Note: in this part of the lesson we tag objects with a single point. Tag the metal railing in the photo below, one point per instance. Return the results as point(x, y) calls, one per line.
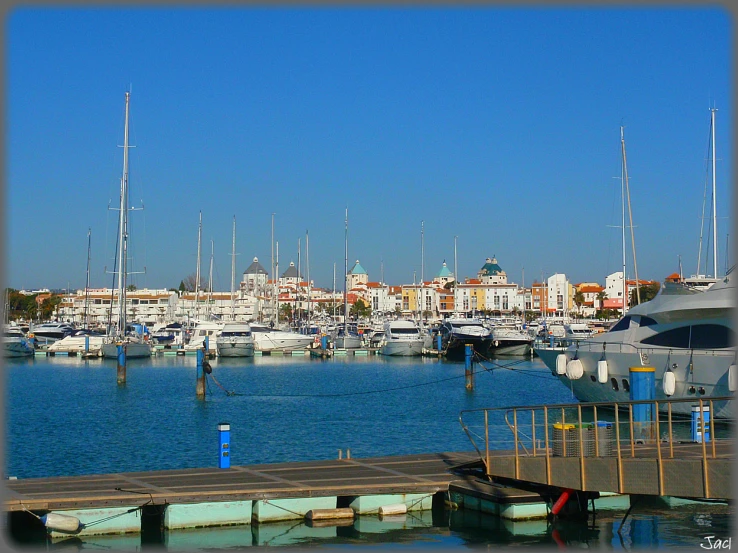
point(600, 429)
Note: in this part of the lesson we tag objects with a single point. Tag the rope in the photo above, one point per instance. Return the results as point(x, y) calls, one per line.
point(348, 394)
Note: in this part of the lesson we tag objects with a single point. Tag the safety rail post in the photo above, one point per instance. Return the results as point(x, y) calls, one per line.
point(533, 425)
point(548, 458)
point(705, 473)
point(486, 441)
point(581, 448)
point(658, 452)
point(671, 434)
point(515, 433)
point(563, 433)
point(713, 433)
point(617, 443)
point(597, 440)
point(631, 429)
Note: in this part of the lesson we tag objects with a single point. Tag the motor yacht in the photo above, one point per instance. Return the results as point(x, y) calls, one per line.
point(402, 338)
point(15, 343)
point(457, 332)
point(235, 340)
point(682, 331)
point(275, 339)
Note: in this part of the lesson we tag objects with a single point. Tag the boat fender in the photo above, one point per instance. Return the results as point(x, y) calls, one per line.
point(668, 382)
point(60, 523)
point(561, 364)
point(574, 369)
point(206, 367)
point(497, 343)
point(602, 371)
point(733, 377)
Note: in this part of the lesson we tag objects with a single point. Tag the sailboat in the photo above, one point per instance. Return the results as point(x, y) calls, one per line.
point(133, 344)
point(347, 336)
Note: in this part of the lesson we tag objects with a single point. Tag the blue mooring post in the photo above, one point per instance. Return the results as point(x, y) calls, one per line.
point(469, 366)
point(438, 343)
point(697, 423)
point(643, 387)
point(207, 346)
point(224, 448)
point(200, 384)
point(87, 344)
point(121, 364)
point(323, 342)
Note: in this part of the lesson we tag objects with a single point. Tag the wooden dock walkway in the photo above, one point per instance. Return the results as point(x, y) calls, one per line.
point(421, 473)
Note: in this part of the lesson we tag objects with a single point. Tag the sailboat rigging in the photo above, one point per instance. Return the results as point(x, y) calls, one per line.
point(134, 346)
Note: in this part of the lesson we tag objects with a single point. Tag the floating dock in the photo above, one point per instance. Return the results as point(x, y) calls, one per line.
point(188, 498)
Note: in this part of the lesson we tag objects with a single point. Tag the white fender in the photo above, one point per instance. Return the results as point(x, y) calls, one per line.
point(561, 363)
point(668, 382)
point(60, 523)
point(602, 371)
point(733, 377)
point(574, 369)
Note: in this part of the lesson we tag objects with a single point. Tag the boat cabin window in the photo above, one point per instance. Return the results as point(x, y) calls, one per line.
point(706, 336)
point(235, 333)
point(626, 385)
point(647, 321)
point(614, 382)
point(404, 331)
point(622, 324)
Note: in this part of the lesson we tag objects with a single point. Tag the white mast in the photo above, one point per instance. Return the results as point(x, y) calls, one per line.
point(622, 202)
point(456, 276)
point(210, 281)
point(123, 231)
point(276, 289)
point(422, 269)
point(274, 280)
point(87, 283)
point(714, 204)
point(233, 272)
point(345, 281)
point(197, 272)
point(632, 230)
point(307, 262)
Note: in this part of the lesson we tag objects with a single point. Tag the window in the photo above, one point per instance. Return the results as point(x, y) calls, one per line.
point(647, 321)
point(711, 336)
point(614, 382)
point(707, 336)
point(622, 324)
point(626, 386)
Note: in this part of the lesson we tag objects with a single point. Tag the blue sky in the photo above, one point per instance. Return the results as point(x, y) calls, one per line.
point(496, 125)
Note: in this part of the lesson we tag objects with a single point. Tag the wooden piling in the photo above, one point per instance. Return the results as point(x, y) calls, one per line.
point(121, 375)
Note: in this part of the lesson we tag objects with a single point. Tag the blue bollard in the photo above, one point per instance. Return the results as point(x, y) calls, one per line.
point(643, 387)
point(697, 423)
point(438, 342)
point(224, 447)
point(207, 344)
point(551, 340)
point(469, 366)
point(324, 342)
point(200, 375)
point(87, 344)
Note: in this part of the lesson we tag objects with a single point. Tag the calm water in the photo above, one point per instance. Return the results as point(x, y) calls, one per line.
point(67, 416)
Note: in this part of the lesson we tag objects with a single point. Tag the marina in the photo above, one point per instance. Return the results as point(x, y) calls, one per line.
point(132, 485)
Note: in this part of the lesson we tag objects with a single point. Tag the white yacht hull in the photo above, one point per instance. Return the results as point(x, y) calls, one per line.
point(76, 344)
point(17, 349)
point(405, 348)
point(235, 346)
point(133, 350)
point(706, 377)
point(281, 341)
